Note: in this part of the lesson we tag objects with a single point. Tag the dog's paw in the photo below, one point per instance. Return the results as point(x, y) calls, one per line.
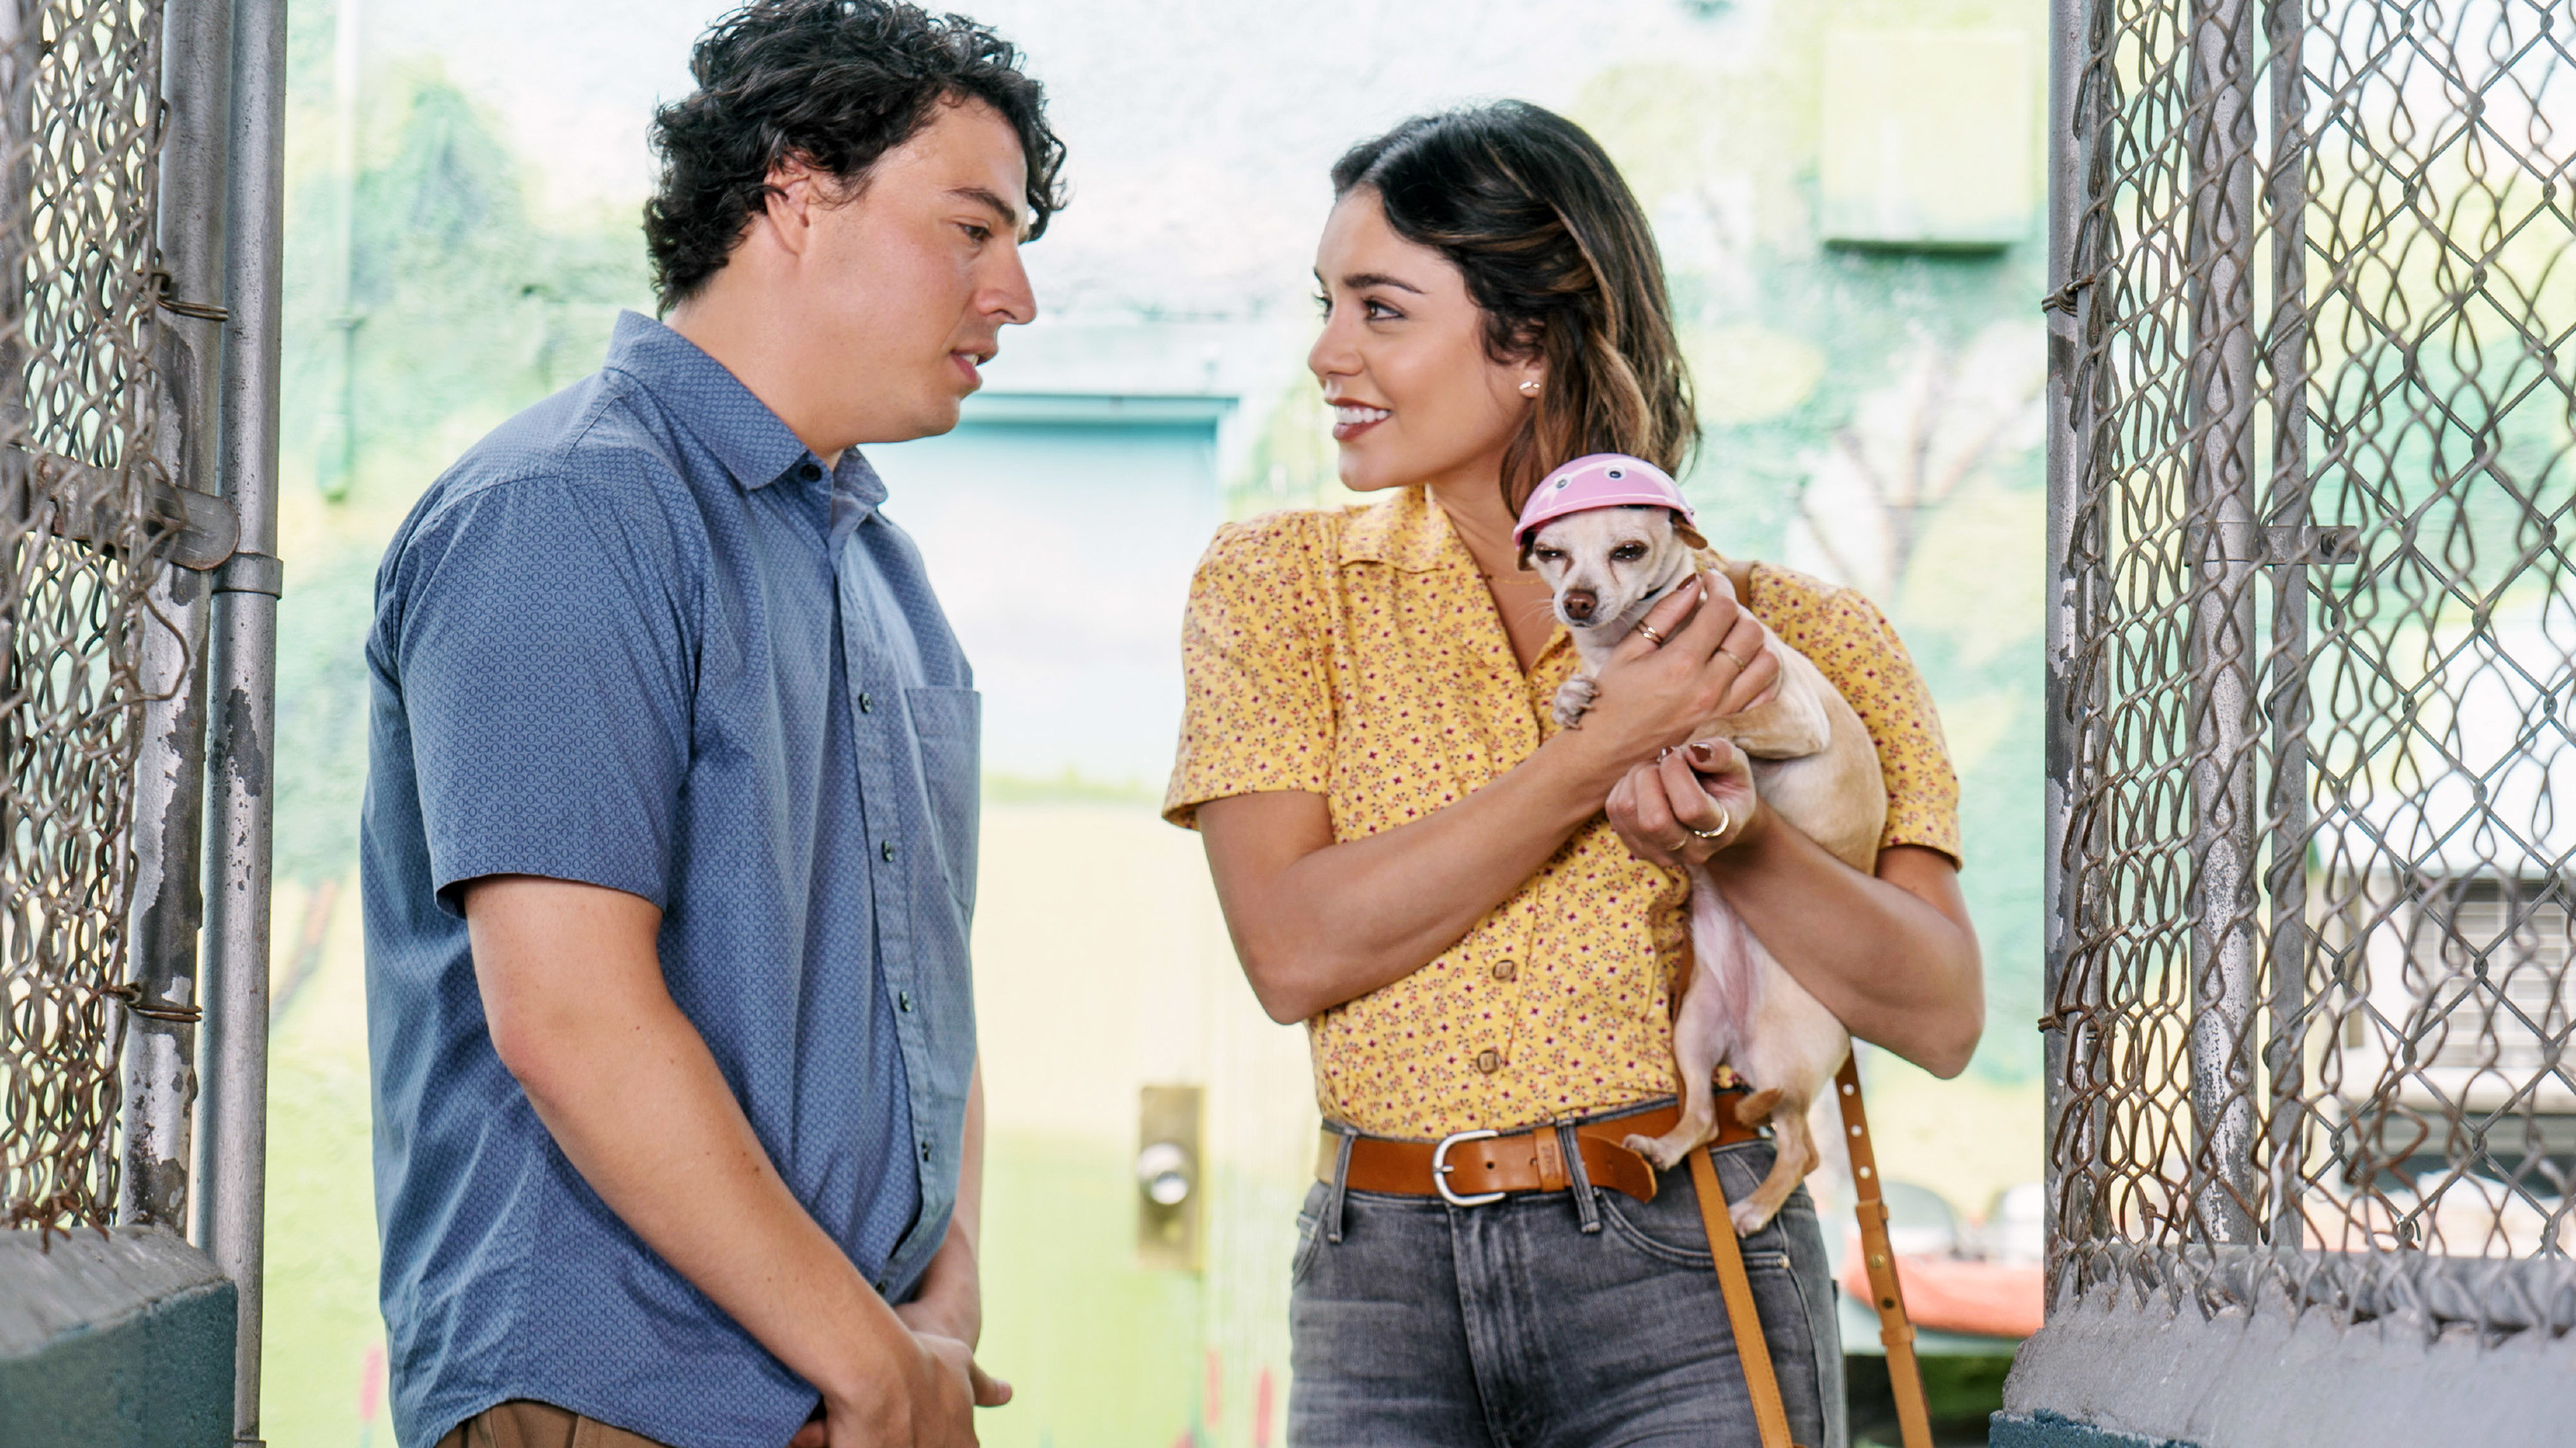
point(1573, 700)
point(1749, 1216)
point(1655, 1149)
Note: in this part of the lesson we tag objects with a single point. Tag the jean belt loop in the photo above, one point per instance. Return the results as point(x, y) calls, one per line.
point(1587, 1201)
point(1341, 1186)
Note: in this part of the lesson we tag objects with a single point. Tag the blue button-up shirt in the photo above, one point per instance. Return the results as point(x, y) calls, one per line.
point(640, 637)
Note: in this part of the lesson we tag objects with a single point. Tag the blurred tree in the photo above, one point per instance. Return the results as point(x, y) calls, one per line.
point(474, 306)
point(1868, 414)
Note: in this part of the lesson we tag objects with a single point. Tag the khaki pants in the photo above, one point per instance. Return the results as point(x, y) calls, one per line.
point(522, 1423)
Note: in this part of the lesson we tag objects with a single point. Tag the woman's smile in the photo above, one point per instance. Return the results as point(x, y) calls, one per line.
point(1402, 334)
point(1350, 419)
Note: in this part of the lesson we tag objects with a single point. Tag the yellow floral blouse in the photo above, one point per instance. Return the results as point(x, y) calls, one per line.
point(1354, 653)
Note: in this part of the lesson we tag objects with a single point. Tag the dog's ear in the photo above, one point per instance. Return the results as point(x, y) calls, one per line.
point(1689, 535)
point(1526, 545)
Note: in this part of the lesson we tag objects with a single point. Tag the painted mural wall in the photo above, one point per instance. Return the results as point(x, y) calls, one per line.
point(1846, 193)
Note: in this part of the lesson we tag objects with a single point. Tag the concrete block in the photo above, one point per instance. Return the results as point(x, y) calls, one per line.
point(2049, 1430)
point(2162, 1372)
point(122, 1341)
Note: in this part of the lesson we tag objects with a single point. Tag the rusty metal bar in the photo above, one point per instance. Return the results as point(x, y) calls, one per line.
point(2066, 48)
point(170, 777)
point(242, 672)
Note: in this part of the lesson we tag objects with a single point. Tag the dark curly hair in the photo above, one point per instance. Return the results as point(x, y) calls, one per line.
point(1557, 253)
point(836, 84)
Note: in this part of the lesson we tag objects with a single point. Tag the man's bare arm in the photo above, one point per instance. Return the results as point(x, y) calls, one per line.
point(573, 995)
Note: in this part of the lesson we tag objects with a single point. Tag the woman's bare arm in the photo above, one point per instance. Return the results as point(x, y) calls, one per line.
point(1894, 955)
point(1318, 923)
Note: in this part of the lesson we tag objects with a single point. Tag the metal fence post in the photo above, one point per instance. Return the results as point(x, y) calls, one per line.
point(241, 669)
point(2286, 698)
point(160, 1051)
point(2313, 850)
point(2065, 213)
point(2221, 548)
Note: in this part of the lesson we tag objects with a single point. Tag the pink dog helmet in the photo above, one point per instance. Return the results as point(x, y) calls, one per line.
point(1602, 480)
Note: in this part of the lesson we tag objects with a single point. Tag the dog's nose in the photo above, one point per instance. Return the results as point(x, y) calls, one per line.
point(1579, 603)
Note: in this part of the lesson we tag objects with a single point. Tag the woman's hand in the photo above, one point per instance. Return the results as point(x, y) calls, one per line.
point(1696, 656)
point(1835, 929)
point(1681, 810)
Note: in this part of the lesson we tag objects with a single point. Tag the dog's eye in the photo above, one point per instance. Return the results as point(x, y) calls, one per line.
point(1547, 555)
point(1627, 552)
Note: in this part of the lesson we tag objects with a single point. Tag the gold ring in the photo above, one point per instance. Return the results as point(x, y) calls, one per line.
point(1649, 631)
point(1725, 820)
point(1740, 664)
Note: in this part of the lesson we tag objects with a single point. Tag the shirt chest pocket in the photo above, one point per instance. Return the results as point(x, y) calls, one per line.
point(948, 729)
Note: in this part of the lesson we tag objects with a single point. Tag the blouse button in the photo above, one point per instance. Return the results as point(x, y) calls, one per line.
point(1489, 1062)
point(1505, 969)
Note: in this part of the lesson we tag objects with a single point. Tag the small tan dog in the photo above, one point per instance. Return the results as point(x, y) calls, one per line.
point(1812, 762)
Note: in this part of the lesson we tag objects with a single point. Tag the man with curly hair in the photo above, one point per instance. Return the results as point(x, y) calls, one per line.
point(670, 825)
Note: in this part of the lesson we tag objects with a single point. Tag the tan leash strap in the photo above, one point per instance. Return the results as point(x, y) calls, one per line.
point(1750, 1348)
point(1886, 1294)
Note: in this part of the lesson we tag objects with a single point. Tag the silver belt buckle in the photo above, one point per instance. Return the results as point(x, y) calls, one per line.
point(1440, 1169)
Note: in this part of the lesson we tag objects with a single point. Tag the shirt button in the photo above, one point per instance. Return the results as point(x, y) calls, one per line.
point(1489, 1062)
point(867, 702)
point(886, 852)
point(925, 1151)
point(811, 472)
point(1506, 969)
point(903, 1000)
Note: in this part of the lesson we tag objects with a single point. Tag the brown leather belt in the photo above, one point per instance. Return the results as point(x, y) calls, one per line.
point(1474, 1167)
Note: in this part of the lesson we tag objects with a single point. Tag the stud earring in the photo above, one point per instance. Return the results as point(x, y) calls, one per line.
point(1529, 387)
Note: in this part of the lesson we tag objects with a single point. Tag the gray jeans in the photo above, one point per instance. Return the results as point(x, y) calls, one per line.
point(1574, 1319)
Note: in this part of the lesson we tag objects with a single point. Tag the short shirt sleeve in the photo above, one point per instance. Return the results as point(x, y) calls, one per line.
point(537, 634)
point(1257, 710)
point(1855, 647)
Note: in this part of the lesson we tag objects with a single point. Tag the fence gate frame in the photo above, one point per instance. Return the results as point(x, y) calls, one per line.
point(187, 517)
point(2231, 1317)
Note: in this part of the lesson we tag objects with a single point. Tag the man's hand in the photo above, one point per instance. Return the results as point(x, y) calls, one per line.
point(932, 1408)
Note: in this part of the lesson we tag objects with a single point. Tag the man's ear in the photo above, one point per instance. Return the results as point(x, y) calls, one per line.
point(1689, 535)
point(796, 188)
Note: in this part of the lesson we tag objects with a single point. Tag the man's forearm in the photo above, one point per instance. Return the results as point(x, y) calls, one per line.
point(645, 1117)
point(574, 999)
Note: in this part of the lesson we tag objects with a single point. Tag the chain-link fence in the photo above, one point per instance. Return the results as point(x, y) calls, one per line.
point(80, 492)
point(2313, 769)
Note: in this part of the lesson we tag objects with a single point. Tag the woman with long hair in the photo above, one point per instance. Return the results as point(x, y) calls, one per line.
point(1482, 918)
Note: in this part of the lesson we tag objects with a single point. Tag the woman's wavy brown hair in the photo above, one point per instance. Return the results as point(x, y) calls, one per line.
point(1555, 250)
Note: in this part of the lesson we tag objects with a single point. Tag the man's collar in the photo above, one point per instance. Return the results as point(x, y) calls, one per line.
point(857, 491)
point(1406, 531)
point(707, 399)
